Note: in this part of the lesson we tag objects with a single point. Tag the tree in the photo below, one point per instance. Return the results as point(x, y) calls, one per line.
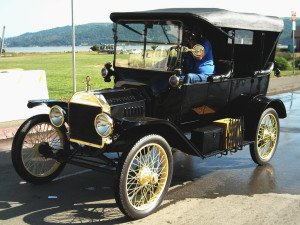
point(154, 47)
point(95, 48)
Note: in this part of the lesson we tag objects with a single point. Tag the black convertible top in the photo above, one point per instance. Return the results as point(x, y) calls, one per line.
point(216, 17)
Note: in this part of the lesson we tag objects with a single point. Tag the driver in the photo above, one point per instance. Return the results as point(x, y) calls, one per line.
point(198, 61)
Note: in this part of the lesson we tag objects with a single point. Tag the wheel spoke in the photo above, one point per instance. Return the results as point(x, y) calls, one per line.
point(35, 163)
point(147, 176)
point(267, 136)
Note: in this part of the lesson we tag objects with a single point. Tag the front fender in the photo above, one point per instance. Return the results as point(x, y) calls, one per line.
point(255, 108)
point(49, 103)
point(133, 128)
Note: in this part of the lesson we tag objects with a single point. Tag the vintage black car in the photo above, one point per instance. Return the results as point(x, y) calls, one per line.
point(131, 129)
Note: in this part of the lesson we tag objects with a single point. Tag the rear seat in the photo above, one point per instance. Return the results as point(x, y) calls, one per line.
point(222, 71)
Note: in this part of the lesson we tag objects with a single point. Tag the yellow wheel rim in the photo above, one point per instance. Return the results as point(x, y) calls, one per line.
point(36, 164)
point(267, 136)
point(147, 176)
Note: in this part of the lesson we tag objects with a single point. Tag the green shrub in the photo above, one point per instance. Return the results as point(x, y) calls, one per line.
point(287, 55)
point(95, 48)
point(283, 63)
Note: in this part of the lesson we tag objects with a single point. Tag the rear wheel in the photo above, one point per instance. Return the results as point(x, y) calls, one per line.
point(266, 140)
point(36, 141)
point(144, 176)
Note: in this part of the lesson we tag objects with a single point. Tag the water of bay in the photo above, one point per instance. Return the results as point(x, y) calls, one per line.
point(46, 49)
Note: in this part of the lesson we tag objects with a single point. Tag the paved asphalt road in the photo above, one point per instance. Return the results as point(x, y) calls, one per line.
point(227, 190)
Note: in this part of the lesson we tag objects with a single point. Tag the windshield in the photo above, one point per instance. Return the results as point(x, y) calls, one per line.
point(148, 45)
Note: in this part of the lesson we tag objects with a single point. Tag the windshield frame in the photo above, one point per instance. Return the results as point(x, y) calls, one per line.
point(147, 24)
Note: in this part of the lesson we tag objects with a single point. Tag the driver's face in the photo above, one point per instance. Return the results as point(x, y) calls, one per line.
point(199, 57)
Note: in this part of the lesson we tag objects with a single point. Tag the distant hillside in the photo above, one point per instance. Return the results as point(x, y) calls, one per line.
point(95, 33)
point(87, 34)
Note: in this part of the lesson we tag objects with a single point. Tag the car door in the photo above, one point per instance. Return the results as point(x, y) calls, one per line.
point(202, 99)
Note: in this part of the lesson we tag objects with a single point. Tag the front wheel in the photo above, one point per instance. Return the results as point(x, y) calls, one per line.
point(266, 140)
point(144, 176)
point(30, 161)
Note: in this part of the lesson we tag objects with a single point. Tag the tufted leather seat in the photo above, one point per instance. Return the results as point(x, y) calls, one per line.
point(222, 71)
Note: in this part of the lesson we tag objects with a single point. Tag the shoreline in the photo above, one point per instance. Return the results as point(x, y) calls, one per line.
point(45, 49)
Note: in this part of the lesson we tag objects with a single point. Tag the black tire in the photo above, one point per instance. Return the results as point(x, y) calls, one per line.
point(26, 140)
point(157, 183)
point(270, 134)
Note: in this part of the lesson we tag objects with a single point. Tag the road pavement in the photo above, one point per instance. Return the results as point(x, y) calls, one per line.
point(226, 190)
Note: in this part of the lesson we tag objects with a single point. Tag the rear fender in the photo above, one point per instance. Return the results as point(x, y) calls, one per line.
point(254, 110)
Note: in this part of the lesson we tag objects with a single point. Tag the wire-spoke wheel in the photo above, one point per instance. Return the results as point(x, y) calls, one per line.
point(144, 176)
point(31, 162)
point(266, 140)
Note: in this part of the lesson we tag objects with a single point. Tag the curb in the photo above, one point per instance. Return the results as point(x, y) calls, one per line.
point(283, 90)
point(9, 129)
point(6, 133)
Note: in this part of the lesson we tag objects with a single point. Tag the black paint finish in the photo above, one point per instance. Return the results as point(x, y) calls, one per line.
point(143, 102)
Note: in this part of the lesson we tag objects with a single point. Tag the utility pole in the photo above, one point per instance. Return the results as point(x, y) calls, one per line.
point(73, 48)
point(2, 42)
point(293, 17)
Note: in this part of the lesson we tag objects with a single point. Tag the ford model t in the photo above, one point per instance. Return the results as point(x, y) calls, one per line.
point(131, 129)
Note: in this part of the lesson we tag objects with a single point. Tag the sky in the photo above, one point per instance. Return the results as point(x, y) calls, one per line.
point(21, 16)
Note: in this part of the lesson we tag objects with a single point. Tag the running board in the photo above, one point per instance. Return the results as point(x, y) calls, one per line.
point(90, 164)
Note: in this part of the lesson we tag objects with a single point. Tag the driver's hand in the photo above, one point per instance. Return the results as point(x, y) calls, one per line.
point(185, 49)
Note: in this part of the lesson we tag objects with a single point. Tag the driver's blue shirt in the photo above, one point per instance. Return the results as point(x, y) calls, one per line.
point(199, 70)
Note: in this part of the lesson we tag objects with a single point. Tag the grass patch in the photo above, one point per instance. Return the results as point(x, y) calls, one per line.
point(290, 72)
point(58, 67)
